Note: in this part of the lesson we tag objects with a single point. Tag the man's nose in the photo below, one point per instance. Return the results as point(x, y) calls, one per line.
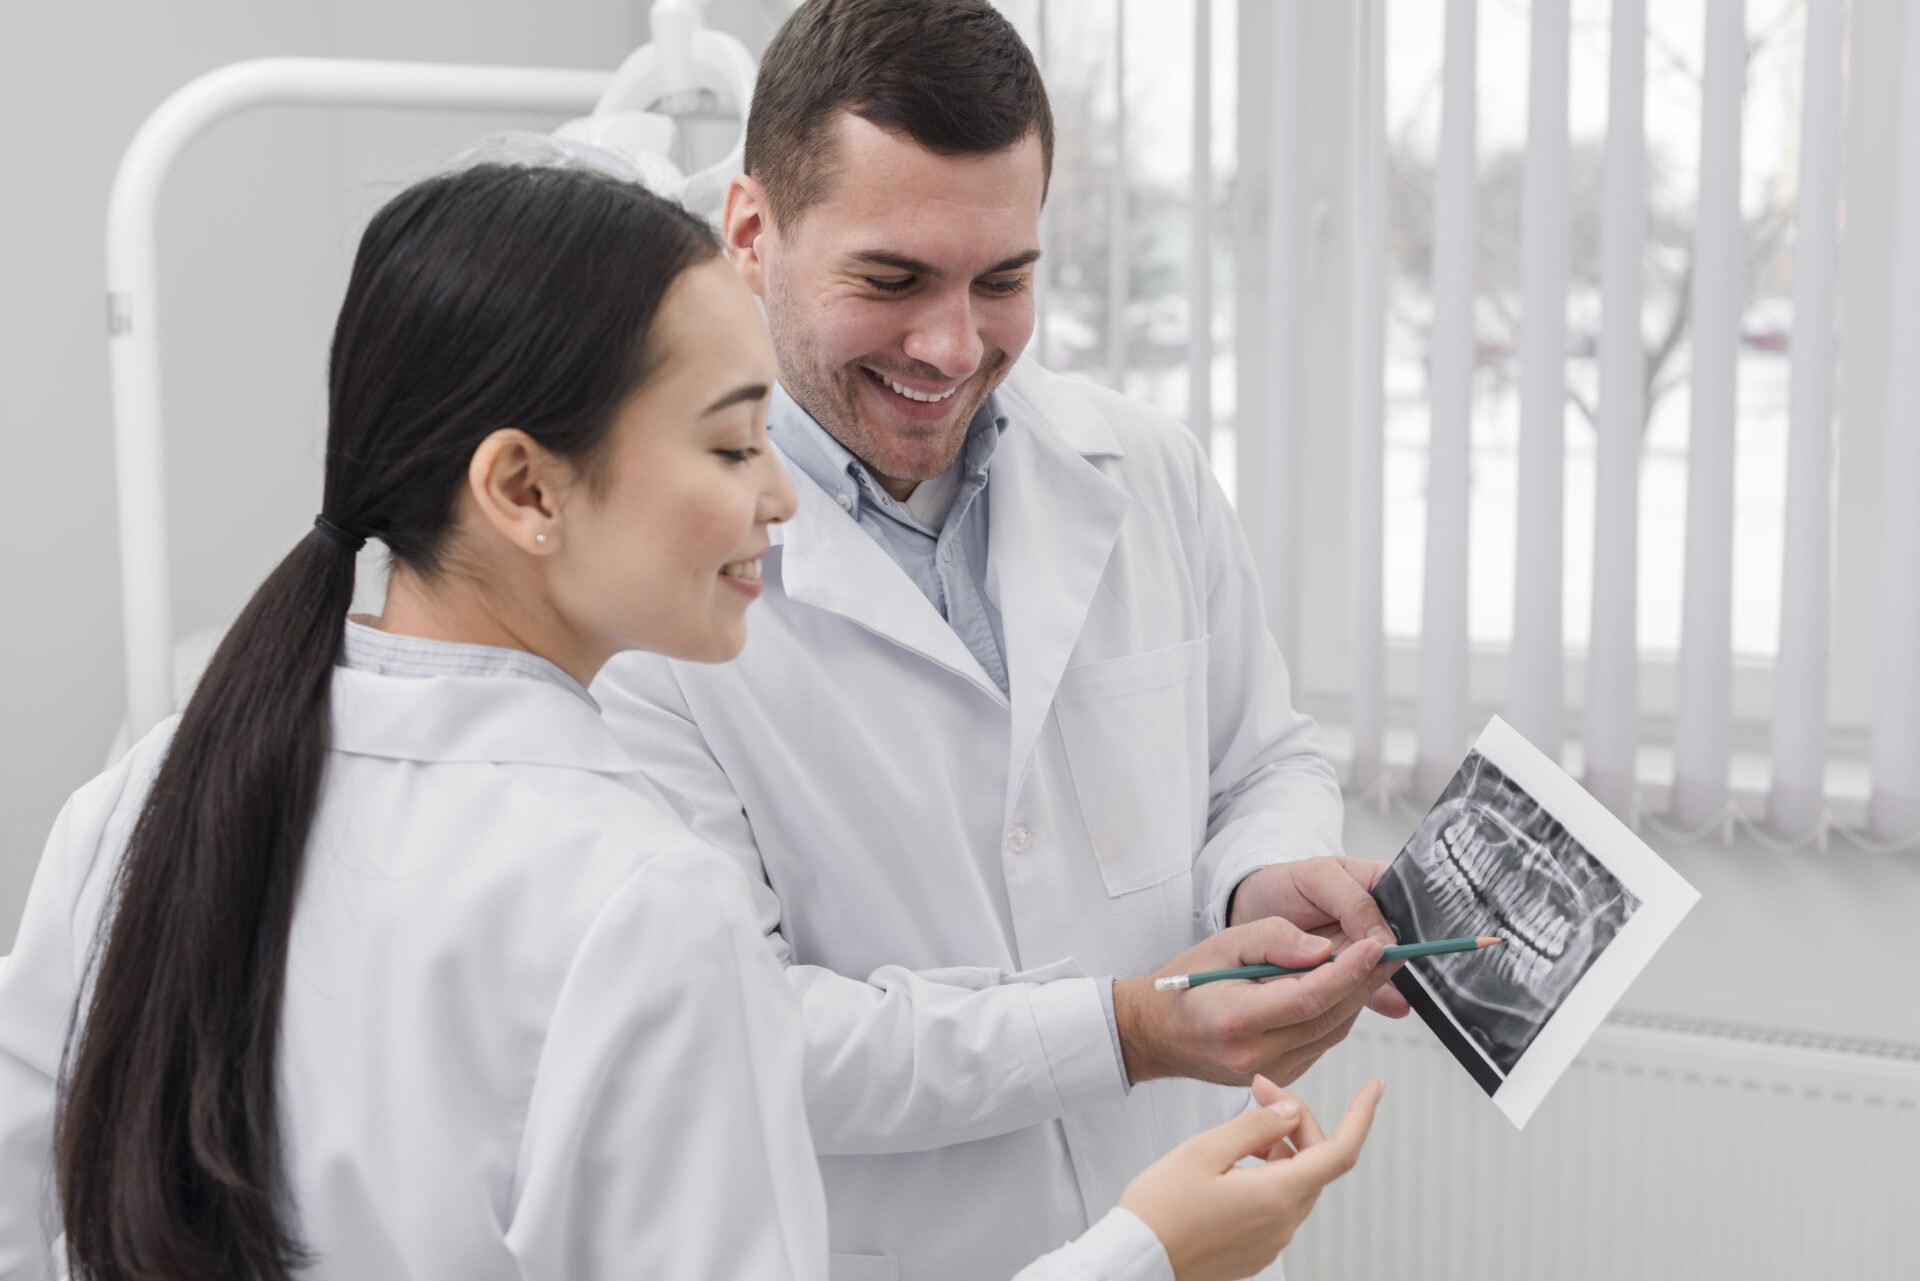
point(945, 335)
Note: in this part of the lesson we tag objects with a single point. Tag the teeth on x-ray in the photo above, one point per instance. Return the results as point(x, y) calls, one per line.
point(1489, 860)
point(1491, 896)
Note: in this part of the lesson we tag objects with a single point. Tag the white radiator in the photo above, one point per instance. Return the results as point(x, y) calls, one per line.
point(1672, 1148)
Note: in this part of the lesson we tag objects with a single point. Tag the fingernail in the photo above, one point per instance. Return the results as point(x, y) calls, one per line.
point(1285, 1108)
point(1373, 951)
point(1314, 943)
point(1381, 933)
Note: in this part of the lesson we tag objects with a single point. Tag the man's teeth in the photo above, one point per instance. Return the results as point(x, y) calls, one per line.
point(921, 396)
point(743, 569)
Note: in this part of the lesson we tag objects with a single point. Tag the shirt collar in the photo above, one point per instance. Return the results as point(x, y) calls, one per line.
point(833, 467)
point(368, 649)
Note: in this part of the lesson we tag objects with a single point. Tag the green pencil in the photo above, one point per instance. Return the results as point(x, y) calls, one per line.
point(1399, 952)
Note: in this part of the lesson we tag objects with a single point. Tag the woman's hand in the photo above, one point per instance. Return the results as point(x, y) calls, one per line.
point(1220, 1221)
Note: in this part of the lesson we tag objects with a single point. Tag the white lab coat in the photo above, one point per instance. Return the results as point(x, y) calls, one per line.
point(949, 870)
point(531, 1029)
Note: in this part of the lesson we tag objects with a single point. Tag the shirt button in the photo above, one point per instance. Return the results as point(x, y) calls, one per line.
point(846, 502)
point(1019, 838)
point(946, 553)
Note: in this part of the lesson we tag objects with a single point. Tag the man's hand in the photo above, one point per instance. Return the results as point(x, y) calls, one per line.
point(1330, 897)
point(1227, 1032)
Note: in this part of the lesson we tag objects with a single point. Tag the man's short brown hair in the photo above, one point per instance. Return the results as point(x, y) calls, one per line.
point(953, 75)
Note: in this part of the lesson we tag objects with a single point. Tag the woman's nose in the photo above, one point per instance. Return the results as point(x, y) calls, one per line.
point(777, 499)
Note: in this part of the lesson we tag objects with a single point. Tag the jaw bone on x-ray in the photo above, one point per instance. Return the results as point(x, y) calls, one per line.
point(1490, 859)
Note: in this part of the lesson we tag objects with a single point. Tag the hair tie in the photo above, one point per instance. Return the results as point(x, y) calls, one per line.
point(352, 542)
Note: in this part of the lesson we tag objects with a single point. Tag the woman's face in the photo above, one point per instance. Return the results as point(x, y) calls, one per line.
point(664, 552)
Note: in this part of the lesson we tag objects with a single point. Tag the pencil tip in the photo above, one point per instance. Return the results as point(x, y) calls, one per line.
point(1484, 941)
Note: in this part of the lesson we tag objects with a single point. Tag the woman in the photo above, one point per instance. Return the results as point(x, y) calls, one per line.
point(381, 961)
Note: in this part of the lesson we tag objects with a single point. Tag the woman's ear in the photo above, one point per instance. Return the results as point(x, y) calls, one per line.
point(520, 487)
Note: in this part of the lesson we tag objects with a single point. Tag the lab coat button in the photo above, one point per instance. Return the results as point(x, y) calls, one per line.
point(1019, 838)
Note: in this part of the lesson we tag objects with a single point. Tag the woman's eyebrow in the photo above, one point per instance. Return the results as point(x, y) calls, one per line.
point(744, 392)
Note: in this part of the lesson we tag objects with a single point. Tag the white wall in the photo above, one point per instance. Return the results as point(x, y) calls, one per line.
point(257, 228)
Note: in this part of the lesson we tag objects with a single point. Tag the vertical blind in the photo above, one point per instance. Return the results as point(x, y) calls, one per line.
point(1703, 712)
point(1117, 228)
point(1280, 360)
point(1200, 248)
point(1800, 684)
point(1613, 661)
point(1534, 698)
point(1894, 812)
point(1612, 729)
point(1443, 714)
point(1366, 528)
point(1043, 277)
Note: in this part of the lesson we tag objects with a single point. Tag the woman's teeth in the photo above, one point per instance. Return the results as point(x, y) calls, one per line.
point(924, 397)
point(743, 569)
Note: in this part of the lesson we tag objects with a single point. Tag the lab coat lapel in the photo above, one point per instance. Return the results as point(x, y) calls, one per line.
point(827, 561)
point(1054, 520)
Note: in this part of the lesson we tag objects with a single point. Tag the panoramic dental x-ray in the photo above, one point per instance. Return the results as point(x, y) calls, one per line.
point(1490, 859)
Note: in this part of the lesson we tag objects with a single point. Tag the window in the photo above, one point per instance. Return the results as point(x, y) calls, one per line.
point(1295, 494)
point(1149, 47)
point(1770, 170)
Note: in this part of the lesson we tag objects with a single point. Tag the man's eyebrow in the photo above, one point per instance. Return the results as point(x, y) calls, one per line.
point(745, 392)
point(901, 262)
point(1016, 262)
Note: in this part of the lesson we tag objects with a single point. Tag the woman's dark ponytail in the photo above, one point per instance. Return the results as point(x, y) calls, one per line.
point(489, 298)
point(169, 1141)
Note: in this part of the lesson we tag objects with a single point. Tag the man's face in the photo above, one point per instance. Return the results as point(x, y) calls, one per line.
point(899, 301)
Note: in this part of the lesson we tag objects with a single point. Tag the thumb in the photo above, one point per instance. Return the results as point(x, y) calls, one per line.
point(1253, 1133)
point(1265, 1092)
point(1281, 942)
point(1269, 1095)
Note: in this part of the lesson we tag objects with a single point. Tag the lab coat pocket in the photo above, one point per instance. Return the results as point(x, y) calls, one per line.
point(862, 1267)
point(1135, 730)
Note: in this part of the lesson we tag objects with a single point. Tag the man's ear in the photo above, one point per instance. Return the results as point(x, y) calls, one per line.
point(746, 219)
point(518, 487)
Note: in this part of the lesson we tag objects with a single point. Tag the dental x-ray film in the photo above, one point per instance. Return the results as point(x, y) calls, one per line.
point(1516, 848)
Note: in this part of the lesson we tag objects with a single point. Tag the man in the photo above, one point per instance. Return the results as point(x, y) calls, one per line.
point(1009, 731)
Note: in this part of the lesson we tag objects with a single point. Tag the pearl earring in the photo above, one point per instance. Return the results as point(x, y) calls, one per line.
point(540, 538)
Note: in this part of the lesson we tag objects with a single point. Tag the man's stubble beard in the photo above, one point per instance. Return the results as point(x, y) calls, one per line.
point(798, 376)
point(831, 398)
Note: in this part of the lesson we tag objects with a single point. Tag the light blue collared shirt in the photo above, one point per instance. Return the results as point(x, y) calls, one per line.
point(948, 566)
point(368, 649)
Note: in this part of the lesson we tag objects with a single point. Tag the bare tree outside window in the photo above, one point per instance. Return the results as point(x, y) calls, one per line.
point(1770, 165)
